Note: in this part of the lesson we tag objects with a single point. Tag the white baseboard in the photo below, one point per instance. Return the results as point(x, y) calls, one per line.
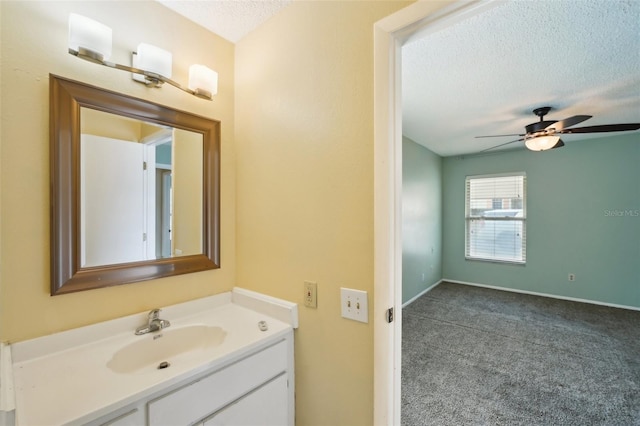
point(535, 293)
point(422, 293)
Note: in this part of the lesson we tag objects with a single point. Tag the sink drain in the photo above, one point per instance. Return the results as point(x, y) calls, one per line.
point(163, 365)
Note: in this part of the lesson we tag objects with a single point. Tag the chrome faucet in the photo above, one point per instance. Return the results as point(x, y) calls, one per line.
point(155, 323)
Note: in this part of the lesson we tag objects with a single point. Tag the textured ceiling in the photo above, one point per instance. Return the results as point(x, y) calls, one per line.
point(230, 19)
point(484, 75)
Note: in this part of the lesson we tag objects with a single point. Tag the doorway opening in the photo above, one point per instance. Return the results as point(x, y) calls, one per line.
point(390, 34)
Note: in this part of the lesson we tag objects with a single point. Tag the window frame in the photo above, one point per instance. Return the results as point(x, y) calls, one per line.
point(469, 219)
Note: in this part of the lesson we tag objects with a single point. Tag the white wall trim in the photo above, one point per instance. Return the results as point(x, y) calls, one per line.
point(549, 295)
point(422, 293)
point(7, 395)
point(385, 360)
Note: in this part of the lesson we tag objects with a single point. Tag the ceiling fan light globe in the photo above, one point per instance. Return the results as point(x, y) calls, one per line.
point(541, 143)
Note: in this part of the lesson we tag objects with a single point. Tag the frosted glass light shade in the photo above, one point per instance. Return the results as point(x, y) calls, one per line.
point(203, 80)
point(154, 59)
point(90, 35)
point(541, 143)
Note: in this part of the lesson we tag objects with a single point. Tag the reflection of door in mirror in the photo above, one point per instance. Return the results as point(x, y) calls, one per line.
point(113, 201)
point(140, 183)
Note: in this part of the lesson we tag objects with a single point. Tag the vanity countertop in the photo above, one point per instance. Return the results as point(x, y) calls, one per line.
point(64, 379)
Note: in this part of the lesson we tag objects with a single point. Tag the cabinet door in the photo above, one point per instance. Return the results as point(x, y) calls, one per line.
point(265, 406)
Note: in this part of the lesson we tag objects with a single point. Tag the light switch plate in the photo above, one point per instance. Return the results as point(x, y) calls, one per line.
point(354, 304)
point(310, 294)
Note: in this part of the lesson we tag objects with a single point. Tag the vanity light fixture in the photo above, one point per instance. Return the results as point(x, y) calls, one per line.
point(91, 40)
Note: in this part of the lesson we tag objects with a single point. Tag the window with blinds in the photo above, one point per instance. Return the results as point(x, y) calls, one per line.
point(496, 218)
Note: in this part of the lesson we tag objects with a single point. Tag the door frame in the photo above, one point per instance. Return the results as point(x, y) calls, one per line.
point(390, 34)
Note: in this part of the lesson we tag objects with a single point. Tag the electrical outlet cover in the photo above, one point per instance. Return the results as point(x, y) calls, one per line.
point(354, 304)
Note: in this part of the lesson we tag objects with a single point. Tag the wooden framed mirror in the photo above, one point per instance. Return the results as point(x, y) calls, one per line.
point(109, 230)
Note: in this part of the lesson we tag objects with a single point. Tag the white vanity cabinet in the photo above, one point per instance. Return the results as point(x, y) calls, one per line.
point(106, 375)
point(265, 406)
point(254, 390)
point(204, 397)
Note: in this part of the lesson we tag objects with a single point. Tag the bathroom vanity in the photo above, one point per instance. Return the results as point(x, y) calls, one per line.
point(224, 360)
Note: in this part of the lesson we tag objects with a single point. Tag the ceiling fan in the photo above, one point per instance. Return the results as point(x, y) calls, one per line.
point(544, 134)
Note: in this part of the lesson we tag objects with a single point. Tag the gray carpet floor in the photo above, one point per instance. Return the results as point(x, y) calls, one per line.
point(476, 356)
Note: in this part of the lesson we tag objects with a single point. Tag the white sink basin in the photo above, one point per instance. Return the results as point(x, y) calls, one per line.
point(162, 347)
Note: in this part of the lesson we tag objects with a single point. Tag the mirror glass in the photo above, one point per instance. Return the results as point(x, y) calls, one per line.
point(135, 189)
point(140, 190)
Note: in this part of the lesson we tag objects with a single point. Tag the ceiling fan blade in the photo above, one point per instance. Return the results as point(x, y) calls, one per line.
point(498, 136)
point(603, 128)
point(558, 145)
point(568, 122)
point(502, 144)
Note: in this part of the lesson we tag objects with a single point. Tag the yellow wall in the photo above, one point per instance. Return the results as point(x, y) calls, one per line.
point(187, 195)
point(34, 44)
point(304, 133)
point(100, 123)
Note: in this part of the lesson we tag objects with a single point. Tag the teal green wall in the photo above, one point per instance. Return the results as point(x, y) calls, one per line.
point(583, 217)
point(421, 219)
point(163, 153)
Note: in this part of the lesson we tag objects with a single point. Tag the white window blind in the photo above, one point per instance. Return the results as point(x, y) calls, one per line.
point(496, 218)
